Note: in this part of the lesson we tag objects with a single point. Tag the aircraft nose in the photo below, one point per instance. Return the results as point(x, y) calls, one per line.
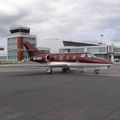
point(109, 62)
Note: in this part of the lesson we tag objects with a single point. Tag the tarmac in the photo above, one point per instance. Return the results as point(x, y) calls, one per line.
point(28, 93)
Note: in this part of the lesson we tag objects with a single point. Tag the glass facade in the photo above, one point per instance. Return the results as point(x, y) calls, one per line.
point(95, 50)
point(71, 50)
point(116, 50)
point(77, 50)
point(12, 48)
point(91, 49)
point(25, 54)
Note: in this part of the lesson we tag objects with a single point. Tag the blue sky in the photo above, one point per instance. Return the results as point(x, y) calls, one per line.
point(76, 20)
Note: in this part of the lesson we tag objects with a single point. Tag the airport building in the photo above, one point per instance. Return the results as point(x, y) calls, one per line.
point(44, 49)
point(2, 54)
point(108, 52)
point(15, 49)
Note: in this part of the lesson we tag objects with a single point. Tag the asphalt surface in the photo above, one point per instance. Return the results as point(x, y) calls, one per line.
point(27, 93)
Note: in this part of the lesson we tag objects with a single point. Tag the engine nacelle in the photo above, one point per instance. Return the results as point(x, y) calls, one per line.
point(47, 58)
point(41, 58)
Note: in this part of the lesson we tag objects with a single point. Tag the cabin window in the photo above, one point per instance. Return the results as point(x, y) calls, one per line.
point(60, 57)
point(83, 55)
point(67, 57)
point(55, 57)
point(74, 57)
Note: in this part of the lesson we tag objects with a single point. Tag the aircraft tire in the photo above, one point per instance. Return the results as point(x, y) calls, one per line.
point(64, 69)
point(96, 71)
point(68, 69)
point(49, 70)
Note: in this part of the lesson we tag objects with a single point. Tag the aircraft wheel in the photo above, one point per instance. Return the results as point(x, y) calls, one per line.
point(68, 68)
point(64, 69)
point(96, 71)
point(49, 70)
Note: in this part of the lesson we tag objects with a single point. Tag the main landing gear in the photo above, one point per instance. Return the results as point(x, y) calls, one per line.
point(65, 69)
point(49, 70)
point(97, 71)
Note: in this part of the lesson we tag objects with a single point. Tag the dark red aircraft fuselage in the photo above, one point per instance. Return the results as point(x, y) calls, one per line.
point(84, 59)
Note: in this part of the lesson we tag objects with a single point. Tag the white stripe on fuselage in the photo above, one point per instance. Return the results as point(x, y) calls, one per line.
point(76, 64)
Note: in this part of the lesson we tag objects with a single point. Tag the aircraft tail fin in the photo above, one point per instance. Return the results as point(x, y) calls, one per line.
point(31, 49)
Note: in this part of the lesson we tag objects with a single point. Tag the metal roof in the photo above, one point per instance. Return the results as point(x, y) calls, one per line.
point(71, 43)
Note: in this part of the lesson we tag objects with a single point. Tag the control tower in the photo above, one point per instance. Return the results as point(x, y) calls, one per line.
point(15, 49)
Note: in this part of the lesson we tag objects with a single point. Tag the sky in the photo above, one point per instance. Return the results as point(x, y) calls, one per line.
point(76, 20)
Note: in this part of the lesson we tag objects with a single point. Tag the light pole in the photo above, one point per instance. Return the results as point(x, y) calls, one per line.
point(101, 35)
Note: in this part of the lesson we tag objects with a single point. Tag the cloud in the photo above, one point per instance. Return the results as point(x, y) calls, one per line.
point(10, 15)
point(78, 20)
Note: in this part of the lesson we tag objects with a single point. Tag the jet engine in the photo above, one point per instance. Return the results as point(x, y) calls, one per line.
point(41, 58)
point(47, 58)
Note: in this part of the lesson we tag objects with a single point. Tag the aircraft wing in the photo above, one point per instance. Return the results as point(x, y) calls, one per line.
point(57, 64)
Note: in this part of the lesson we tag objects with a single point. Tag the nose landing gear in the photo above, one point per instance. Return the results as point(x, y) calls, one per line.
point(97, 71)
point(65, 69)
point(49, 70)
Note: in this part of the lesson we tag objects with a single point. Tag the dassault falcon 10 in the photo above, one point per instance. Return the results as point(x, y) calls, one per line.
point(66, 60)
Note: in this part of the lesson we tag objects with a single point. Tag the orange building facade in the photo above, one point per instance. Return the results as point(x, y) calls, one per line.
point(20, 48)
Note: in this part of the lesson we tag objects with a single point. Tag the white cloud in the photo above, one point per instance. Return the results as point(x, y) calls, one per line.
point(77, 20)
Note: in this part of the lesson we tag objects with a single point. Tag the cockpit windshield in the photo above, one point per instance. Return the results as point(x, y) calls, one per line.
point(88, 55)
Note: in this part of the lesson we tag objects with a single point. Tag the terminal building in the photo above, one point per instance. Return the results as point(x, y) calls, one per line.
point(44, 49)
point(108, 52)
point(15, 49)
point(2, 54)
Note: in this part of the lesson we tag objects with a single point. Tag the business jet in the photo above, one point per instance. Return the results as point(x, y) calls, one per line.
point(66, 60)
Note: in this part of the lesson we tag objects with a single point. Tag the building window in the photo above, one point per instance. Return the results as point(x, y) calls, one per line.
point(102, 49)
